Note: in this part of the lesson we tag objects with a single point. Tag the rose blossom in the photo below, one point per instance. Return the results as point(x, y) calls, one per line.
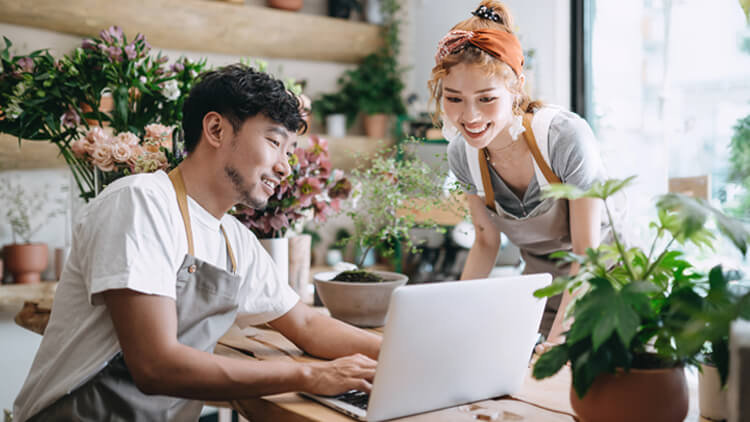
point(127, 138)
point(79, 148)
point(121, 152)
point(102, 157)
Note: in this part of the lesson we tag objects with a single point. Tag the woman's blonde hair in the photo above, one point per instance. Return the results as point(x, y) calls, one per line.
point(475, 56)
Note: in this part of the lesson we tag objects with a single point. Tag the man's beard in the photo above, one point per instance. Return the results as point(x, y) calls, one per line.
point(245, 197)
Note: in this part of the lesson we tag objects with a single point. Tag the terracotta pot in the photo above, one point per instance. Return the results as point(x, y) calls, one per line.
point(106, 105)
point(643, 395)
point(26, 261)
point(712, 399)
point(376, 125)
point(360, 304)
point(291, 5)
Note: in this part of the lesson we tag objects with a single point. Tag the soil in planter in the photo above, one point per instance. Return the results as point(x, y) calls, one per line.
point(358, 276)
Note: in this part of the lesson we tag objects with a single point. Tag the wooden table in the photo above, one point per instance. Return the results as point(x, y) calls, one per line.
point(545, 400)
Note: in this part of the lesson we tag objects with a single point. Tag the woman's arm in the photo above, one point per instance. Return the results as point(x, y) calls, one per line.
point(483, 252)
point(585, 231)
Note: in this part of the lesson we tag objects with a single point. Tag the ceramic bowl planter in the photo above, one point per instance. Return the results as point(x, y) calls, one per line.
point(644, 395)
point(712, 399)
point(360, 304)
point(26, 261)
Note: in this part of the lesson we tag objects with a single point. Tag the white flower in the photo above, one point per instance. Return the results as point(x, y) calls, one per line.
point(170, 90)
point(13, 111)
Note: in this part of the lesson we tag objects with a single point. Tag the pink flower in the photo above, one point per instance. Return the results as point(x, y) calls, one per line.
point(160, 134)
point(102, 157)
point(121, 152)
point(112, 35)
point(26, 64)
point(127, 138)
point(308, 188)
point(70, 118)
point(130, 52)
point(79, 148)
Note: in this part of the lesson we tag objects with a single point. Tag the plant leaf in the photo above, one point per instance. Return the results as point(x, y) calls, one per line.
point(550, 362)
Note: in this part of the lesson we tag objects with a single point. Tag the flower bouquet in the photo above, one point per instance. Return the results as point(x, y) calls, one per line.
point(313, 191)
point(45, 99)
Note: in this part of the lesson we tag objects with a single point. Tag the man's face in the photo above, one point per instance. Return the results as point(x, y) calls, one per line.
point(257, 159)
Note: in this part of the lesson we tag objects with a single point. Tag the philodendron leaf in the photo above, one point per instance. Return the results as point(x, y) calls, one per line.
point(557, 286)
point(550, 362)
point(691, 215)
point(562, 191)
point(608, 188)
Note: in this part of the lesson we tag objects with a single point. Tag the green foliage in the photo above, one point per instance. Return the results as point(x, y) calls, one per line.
point(45, 99)
point(638, 309)
point(739, 160)
point(385, 189)
point(375, 85)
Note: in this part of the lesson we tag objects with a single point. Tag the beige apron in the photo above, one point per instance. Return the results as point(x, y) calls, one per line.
point(544, 230)
point(207, 302)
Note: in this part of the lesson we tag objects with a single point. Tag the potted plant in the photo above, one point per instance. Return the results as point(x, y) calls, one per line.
point(376, 83)
point(380, 214)
point(27, 212)
point(631, 309)
point(707, 331)
point(335, 110)
point(739, 158)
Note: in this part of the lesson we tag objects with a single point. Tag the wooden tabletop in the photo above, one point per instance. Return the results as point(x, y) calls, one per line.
point(538, 400)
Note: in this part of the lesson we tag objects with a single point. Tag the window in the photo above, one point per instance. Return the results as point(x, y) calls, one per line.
point(665, 83)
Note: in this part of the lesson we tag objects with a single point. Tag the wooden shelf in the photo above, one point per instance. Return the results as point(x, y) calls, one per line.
point(205, 26)
point(347, 152)
point(29, 155)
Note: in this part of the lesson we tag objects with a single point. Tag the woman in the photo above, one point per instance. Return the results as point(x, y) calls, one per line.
point(505, 148)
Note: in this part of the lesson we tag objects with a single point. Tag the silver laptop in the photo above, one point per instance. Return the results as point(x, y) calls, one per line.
point(450, 343)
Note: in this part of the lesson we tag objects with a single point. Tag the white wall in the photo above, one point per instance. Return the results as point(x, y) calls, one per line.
point(541, 24)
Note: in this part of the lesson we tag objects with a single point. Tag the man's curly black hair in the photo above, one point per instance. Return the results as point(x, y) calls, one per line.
point(238, 92)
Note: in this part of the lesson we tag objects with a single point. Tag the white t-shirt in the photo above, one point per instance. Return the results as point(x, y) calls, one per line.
point(132, 236)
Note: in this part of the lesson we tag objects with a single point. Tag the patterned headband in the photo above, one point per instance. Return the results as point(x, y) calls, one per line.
point(498, 43)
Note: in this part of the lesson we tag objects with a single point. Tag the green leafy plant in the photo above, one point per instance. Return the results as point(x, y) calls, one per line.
point(739, 159)
point(386, 191)
point(45, 99)
point(633, 305)
point(334, 103)
point(376, 84)
point(27, 212)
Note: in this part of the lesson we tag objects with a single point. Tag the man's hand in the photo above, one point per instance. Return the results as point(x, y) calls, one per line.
point(341, 375)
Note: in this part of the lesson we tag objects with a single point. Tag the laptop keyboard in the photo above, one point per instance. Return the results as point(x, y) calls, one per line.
point(355, 398)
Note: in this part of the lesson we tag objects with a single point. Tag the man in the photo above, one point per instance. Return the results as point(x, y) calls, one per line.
point(158, 270)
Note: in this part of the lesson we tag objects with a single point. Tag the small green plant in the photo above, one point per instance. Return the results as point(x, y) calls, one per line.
point(634, 305)
point(376, 85)
point(334, 103)
point(387, 190)
point(27, 212)
point(739, 159)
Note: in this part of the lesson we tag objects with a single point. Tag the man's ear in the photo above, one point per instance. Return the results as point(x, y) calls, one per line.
point(214, 131)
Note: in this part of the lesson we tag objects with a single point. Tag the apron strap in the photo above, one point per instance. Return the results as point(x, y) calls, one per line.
point(229, 250)
point(179, 186)
point(489, 191)
point(528, 135)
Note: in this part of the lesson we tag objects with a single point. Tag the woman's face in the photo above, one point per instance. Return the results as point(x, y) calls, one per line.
point(478, 105)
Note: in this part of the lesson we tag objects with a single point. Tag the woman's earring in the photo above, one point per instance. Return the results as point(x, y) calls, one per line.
point(516, 127)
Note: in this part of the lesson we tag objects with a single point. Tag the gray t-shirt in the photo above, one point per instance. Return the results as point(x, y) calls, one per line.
point(574, 156)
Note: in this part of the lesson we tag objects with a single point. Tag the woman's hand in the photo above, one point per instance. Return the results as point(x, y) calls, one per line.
point(354, 372)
